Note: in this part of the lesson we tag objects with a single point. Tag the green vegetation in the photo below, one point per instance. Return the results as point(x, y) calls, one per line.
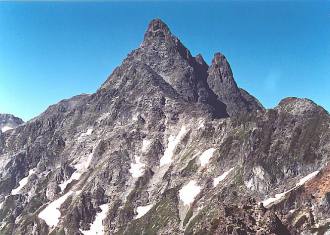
point(207, 215)
point(157, 218)
point(187, 154)
point(57, 231)
point(238, 178)
point(194, 221)
point(191, 168)
point(226, 146)
point(34, 204)
point(188, 216)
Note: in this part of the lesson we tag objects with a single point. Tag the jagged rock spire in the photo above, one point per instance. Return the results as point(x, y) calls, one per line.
point(190, 76)
point(159, 37)
point(157, 29)
point(200, 60)
point(221, 81)
point(220, 69)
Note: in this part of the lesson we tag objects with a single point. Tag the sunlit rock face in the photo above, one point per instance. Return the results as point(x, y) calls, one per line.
point(167, 145)
point(8, 122)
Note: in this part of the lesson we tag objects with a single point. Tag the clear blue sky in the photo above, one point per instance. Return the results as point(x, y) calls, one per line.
point(51, 51)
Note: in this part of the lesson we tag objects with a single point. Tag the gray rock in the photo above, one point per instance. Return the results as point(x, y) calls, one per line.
point(9, 121)
point(162, 121)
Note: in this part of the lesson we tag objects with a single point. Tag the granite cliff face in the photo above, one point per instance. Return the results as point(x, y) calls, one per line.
point(168, 145)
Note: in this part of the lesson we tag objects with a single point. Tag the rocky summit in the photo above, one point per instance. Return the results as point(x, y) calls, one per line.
point(168, 145)
point(9, 121)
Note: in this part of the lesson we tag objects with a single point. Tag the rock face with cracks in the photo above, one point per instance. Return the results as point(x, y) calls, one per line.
point(168, 145)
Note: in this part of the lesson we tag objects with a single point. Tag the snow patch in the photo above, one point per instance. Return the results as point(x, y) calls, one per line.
point(274, 200)
point(189, 192)
point(220, 178)
point(97, 227)
point(135, 117)
point(142, 210)
point(88, 161)
point(87, 133)
point(281, 196)
point(22, 183)
point(249, 184)
point(78, 192)
point(205, 157)
point(145, 145)
point(51, 214)
point(173, 141)
point(307, 178)
point(83, 163)
point(137, 168)
point(201, 124)
point(75, 176)
point(6, 128)
point(81, 166)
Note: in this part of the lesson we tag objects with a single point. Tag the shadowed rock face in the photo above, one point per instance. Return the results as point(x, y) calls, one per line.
point(167, 145)
point(221, 81)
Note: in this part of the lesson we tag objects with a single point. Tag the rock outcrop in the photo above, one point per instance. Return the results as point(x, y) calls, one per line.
point(9, 121)
point(221, 81)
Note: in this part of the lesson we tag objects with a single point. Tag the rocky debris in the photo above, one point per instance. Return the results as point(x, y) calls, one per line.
point(176, 120)
point(247, 217)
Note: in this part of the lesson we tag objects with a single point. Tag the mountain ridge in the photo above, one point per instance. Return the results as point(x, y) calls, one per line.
point(166, 145)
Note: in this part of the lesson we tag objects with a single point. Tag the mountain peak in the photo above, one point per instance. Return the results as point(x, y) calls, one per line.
point(157, 25)
point(157, 29)
point(219, 61)
point(223, 84)
point(218, 58)
point(220, 69)
point(148, 153)
point(200, 60)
